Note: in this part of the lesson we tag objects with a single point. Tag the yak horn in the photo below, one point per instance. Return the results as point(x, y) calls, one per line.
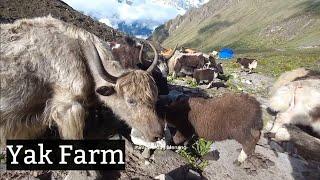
point(155, 60)
point(140, 54)
point(97, 63)
point(172, 53)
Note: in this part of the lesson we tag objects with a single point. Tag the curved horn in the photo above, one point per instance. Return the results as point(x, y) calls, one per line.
point(97, 63)
point(140, 53)
point(172, 53)
point(155, 60)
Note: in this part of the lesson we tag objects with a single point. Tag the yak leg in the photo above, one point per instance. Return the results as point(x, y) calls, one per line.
point(176, 69)
point(249, 144)
point(69, 115)
point(174, 74)
point(210, 84)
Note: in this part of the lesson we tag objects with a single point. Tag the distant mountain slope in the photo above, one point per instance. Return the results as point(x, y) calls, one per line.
point(246, 24)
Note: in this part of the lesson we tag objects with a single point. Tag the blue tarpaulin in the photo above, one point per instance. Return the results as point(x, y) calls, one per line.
point(226, 53)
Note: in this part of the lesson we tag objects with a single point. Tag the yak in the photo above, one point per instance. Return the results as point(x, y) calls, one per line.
point(51, 72)
point(295, 98)
point(216, 119)
point(129, 53)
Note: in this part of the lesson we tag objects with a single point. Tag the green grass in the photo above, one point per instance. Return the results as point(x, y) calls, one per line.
point(192, 83)
point(195, 152)
point(247, 24)
point(170, 78)
point(275, 62)
point(2, 158)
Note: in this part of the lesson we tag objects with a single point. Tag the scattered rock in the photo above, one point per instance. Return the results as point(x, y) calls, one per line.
point(82, 175)
point(193, 175)
point(163, 177)
point(146, 162)
point(275, 146)
point(34, 173)
point(146, 153)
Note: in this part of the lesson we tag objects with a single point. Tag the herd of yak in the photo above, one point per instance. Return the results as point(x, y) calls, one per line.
point(52, 72)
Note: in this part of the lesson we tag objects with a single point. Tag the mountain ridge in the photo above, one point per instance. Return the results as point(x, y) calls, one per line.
point(245, 24)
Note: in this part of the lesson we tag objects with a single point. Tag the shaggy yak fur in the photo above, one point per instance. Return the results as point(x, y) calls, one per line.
point(186, 63)
point(296, 100)
point(50, 73)
point(204, 75)
point(247, 63)
point(232, 116)
point(129, 53)
point(294, 75)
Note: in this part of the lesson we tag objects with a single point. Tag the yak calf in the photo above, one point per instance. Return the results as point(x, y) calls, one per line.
point(247, 63)
point(232, 116)
point(204, 75)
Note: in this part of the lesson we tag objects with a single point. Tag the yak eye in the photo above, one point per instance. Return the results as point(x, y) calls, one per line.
point(132, 102)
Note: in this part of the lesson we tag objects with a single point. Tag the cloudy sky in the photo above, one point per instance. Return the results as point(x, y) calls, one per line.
point(111, 12)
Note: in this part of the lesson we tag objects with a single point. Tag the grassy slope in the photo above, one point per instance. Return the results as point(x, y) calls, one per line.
point(274, 63)
point(241, 25)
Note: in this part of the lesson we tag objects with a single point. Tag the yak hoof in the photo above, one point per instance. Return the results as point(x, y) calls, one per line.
point(242, 157)
point(255, 162)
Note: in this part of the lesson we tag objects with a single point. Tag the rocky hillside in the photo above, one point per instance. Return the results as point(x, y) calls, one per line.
point(11, 10)
point(246, 24)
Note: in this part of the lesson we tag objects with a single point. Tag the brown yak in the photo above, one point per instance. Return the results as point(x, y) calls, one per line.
point(217, 119)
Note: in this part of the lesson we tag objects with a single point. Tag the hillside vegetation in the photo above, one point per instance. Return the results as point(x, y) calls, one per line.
point(281, 35)
point(246, 25)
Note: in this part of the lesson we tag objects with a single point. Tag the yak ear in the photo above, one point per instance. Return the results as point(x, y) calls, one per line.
point(105, 90)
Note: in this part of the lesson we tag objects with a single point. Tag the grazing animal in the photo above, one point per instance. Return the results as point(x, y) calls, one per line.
point(51, 72)
point(168, 53)
point(247, 63)
point(163, 60)
point(188, 50)
point(218, 68)
point(186, 61)
point(214, 54)
point(204, 75)
point(296, 100)
point(210, 61)
point(217, 119)
point(129, 53)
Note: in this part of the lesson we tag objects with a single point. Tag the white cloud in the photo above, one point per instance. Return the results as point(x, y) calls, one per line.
point(112, 11)
point(141, 37)
point(106, 21)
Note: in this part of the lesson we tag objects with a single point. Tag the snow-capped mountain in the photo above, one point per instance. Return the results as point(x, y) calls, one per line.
point(183, 4)
point(135, 17)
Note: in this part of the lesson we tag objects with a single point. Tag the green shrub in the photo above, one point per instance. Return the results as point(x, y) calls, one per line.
point(195, 152)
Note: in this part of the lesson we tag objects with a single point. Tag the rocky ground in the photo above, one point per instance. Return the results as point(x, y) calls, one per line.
point(271, 161)
point(282, 163)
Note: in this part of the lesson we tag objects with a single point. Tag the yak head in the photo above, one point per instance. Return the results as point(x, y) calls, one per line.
point(131, 96)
